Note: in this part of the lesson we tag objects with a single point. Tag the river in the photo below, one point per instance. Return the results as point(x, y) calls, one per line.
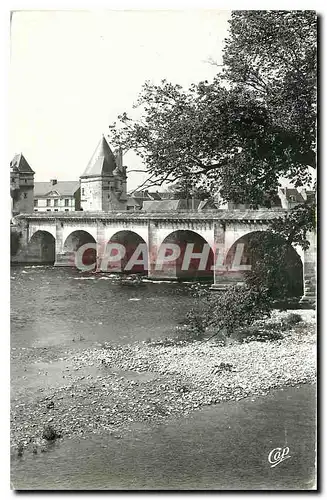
point(220, 447)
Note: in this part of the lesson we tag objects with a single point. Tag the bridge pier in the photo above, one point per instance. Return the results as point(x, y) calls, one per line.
point(62, 259)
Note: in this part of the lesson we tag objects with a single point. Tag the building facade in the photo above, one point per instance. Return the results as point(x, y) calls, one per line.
point(56, 196)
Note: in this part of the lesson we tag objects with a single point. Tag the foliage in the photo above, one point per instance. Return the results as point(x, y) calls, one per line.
point(254, 123)
point(239, 306)
point(275, 266)
point(273, 55)
point(50, 433)
point(201, 136)
point(257, 334)
point(292, 319)
point(297, 223)
point(184, 190)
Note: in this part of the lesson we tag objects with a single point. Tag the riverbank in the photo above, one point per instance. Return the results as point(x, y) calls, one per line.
point(110, 387)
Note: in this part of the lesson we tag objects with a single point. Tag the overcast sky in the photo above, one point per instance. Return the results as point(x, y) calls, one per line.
point(72, 73)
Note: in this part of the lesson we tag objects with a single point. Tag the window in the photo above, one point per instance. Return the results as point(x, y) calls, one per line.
point(66, 210)
point(66, 202)
point(55, 202)
point(25, 195)
point(48, 209)
point(35, 209)
point(83, 191)
point(35, 203)
point(56, 209)
point(48, 203)
point(25, 181)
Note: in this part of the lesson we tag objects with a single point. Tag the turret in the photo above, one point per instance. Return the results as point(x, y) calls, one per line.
point(21, 185)
point(103, 183)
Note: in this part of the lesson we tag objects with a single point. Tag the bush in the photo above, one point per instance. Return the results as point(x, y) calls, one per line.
point(49, 433)
point(275, 266)
point(292, 319)
point(238, 307)
point(197, 320)
point(258, 334)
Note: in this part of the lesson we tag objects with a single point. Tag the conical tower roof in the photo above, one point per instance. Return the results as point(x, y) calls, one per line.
point(20, 164)
point(102, 161)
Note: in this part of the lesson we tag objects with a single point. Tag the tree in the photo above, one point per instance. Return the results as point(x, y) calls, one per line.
point(183, 189)
point(254, 123)
point(209, 136)
point(295, 225)
point(276, 269)
point(273, 54)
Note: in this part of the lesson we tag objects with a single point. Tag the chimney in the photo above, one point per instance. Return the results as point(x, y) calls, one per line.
point(53, 182)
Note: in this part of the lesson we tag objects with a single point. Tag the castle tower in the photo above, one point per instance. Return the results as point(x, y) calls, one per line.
point(103, 183)
point(21, 185)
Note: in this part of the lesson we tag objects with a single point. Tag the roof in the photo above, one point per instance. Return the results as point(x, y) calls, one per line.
point(167, 205)
point(295, 193)
point(102, 161)
point(207, 204)
point(20, 163)
point(145, 195)
point(63, 188)
point(155, 195)
point(132, 201)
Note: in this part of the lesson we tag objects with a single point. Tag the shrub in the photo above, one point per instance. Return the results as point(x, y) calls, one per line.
point(223, 367)
point(49, 433)
point(275, 266)
point(238, 307)
point(261, 335)
point(197, 319)
point(292, 319)
point(20, 449)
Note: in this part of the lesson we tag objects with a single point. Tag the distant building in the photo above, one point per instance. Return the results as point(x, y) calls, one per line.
point(290, 197)
point(176, 205)
point(135, 200)
point(103, 183)
point(222, 204)
point(57, 196)
point(134, 203)
point(21, 185)
point(308, 195)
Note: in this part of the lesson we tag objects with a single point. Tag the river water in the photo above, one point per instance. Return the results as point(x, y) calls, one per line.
point(51, 305)
point(221, 447)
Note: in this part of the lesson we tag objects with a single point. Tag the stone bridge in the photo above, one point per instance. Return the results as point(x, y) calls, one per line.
point(56, 237)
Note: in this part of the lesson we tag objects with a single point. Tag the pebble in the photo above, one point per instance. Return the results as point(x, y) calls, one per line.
point(259, 366)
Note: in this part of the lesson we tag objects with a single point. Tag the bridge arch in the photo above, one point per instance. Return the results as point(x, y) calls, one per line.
point(185, 255)
point(241, 255)
point(42, 247)
point(84, 242)
point(45, 228)
point(127, 252)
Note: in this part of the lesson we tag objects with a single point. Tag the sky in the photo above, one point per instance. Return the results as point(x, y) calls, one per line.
point(73, 72)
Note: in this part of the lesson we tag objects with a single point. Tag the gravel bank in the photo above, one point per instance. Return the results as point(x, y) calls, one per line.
point(109, 387)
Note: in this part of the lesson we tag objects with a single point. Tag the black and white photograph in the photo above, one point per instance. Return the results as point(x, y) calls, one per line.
point(163, 249)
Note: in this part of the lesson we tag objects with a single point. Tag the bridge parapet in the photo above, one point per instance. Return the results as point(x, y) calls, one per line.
point(227, 215)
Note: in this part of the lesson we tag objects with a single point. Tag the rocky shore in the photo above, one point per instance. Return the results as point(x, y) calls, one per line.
point(108, 387)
